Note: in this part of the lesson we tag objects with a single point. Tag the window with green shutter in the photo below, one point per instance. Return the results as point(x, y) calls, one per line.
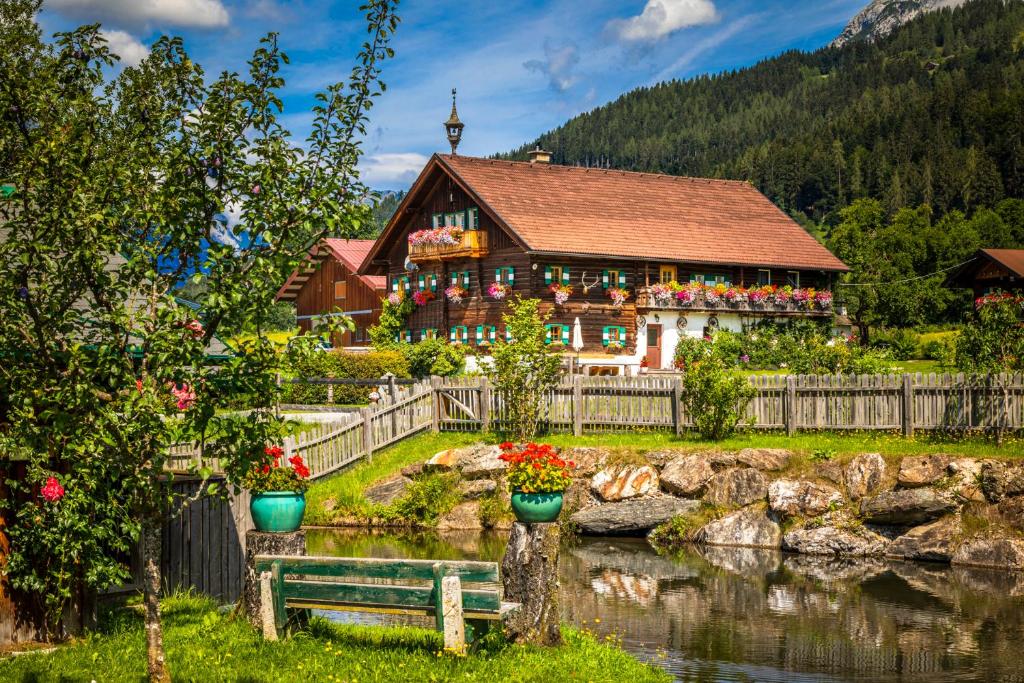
point(428, 333)
point(556, 333)
point(458, 334)
point(614, 277)
point(556, 275)
point(505, 275)
point(613, 335)
point(437, 220)
point(486, 335)
point(473, 218)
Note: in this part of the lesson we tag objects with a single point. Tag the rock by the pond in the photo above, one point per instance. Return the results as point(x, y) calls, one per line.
point(686, 475)
point(736, 487)
point(721, 459)
point(864, 474)
point(624, 481)
point(749, 527)
point(589, 460)
point(413, 471)
point(906, 506)
point(830, 471)
point(1011, 512)
point(932, 542)
point(631, 516)
point(768, 459)
point(443, 461)
point(801, 497)
point(476, 488)
point(482, 463)
point(965, 480)
point(833, 540)
point(662, 457)
point(388, 491)
point(998, 552)
point(1000, 480)
point(922, 470)
point(462, 516)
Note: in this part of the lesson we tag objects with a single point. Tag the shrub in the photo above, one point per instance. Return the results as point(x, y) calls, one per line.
point(427, 499)
point(434, 357)
point(715, 397)
point(369, 365)
point(690, 350)
point(993, 341)
point(901, 343)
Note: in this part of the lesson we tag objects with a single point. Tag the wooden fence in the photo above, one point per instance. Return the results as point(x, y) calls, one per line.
point(905, 403)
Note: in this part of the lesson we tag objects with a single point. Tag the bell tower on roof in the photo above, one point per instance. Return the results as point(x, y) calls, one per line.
point(453, 126)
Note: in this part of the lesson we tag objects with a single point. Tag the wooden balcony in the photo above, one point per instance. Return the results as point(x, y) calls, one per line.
point(473, 244)
point(646, 300)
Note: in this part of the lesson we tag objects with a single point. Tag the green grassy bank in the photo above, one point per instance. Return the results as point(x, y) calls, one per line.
point(204, 645)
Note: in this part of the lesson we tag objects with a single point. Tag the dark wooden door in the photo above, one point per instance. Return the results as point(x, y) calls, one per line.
point(654, 346)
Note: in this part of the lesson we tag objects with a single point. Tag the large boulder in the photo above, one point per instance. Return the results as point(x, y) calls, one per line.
point(830, 471)
point(922, 470)
point(686, 475)
point(965, 480)
point(801, 497)
point(750, 527)
point(630, 517)
point(464, 516)
point(482, 463)
point(387, 491)
point(847, 541)
point(768, 459)
point(476, 488)
point(906, 506)
point(663, 456)
point(588, 460)
point(737, 487)
point(1000, 480)
point(1000, 552)
point(1011, 512)
point(864, 475)
point(933, 541)
point(444, 461)
point(721, 459)
point(624, 481)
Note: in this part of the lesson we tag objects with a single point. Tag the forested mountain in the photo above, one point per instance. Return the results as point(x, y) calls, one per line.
point(931, 115)
point(882, 17)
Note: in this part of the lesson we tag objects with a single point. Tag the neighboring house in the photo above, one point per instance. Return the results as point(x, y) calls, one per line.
point(527, 226)
point(329, 284)
point(991, 270)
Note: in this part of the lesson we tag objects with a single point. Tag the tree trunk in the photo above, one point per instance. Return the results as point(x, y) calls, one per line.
point(529, 573)
point(151, 580)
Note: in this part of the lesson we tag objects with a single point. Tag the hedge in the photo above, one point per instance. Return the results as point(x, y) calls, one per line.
point(341, 364)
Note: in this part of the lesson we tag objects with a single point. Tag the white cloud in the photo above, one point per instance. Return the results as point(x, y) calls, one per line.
point(662, 17)
point(558, 64)
point(125, 46)
point(391, 168)
point(195, 13)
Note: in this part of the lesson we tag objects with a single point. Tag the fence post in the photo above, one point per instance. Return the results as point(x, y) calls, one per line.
point(277, 395)
point(330, 394)
point(435, 404)
point(367, 414)
point(577, 405)
point(677, 406)
point(908, 405)
point(392, 388)
point(485, 405)
point(790, 405)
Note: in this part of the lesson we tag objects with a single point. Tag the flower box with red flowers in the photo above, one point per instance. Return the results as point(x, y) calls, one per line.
point(278, 491)
point(537, 477)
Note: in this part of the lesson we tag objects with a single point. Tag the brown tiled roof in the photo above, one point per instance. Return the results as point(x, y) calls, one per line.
point(351, 254)
point(1011, 259)
point(572, 210)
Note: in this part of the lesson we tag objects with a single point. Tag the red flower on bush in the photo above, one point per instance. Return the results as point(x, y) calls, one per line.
point(52, 491)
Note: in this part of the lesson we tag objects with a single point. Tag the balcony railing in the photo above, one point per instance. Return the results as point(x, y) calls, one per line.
point(738, 302)
point(470, 244)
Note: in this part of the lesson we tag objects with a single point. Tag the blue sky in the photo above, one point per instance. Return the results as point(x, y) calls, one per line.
point(521, 66)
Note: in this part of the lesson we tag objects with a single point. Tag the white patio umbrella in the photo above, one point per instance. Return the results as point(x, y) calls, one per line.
point(577, 336)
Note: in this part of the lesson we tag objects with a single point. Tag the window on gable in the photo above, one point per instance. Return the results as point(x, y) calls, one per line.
point(793, 278)
point(340, 289)
point(666, 274)
point(764, 277)
point(473, 218)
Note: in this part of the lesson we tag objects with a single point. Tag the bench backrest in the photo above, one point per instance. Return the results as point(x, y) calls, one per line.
point(286, 570)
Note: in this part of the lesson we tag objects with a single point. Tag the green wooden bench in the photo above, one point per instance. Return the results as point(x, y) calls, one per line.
point(424, 587)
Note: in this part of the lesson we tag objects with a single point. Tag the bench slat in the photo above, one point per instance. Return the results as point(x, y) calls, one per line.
point(368, 567)
point(376, 595)
point(485, 615)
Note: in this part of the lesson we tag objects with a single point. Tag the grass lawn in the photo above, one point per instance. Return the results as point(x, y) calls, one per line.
point(204, 645)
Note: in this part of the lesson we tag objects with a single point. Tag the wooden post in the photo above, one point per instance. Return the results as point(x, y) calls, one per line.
point(529, 575)
point(577, 405)
point(264, 543)
point(392, 388)
point(790, 405)
point(908, 405)
point(677, 406)
point(277, 395)
point(367, 415)
point(330, 394)
point(435, 403)
point(485, 405)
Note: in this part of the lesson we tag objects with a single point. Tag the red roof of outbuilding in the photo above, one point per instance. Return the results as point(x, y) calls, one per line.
point(573, 210)
point(349, 252)
point(1011, 259)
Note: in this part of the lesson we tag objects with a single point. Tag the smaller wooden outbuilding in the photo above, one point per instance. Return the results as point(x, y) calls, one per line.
point(329, 284)
point(991, 270)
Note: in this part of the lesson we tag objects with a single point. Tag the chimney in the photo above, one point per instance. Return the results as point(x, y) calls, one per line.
point(539, 156)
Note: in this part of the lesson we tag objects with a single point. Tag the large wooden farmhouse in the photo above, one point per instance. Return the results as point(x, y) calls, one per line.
point(330, 283)
point(647, 257)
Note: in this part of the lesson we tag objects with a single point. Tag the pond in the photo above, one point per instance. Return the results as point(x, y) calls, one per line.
point(738, 614)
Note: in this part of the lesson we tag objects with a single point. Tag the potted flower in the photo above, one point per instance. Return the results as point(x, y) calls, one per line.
point(278, 493)
point(686, 295)
point(823, 299)
point(498, 290)
point(561, 292)
point(618, 296)
point(662, 293)
point(456, 294)
point(422, 297)
point(537, 478)
point(614, 347)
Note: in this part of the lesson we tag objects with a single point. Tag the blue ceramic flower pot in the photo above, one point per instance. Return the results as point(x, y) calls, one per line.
point(536, 508)
point(278, 511)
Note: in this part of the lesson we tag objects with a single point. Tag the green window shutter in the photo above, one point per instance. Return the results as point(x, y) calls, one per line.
point(622, 336)
point(622, 279)
point(604, 336)
point(465, 279)
point(547, 275)
point(497, 274)
point(565, 334)
point(479, 333)
point(451, 335)
point(493, 333)
point(511, 276)
point(604, 279)
point(394, 284)
point(508, 334)
point(454, 278)
point(422, 281)
point(436, 220)
point(433, 282)
point(565, 275)
point(547, 333)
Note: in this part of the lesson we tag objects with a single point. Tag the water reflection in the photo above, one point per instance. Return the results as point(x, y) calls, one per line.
point(739, 614)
